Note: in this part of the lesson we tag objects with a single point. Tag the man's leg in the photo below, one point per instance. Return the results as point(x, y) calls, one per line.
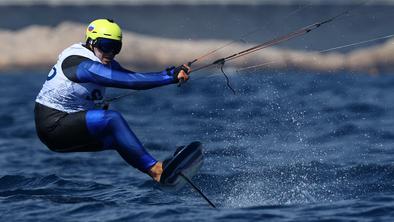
point(64, 132)
point(111, 129)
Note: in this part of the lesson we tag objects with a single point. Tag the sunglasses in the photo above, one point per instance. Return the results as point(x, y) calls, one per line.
point(108, 45)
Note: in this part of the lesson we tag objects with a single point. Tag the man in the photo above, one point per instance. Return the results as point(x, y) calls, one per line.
point(66, 114)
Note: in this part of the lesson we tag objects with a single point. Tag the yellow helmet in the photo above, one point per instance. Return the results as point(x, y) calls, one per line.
point(103, 28)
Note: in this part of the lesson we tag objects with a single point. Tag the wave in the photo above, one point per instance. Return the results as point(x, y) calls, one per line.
point(13, 183)
point(147, 51)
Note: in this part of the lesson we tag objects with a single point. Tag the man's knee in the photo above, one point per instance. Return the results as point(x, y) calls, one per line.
point(114, 118)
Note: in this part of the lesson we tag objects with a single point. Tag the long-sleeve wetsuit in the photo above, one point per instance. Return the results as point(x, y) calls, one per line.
point(105, 129)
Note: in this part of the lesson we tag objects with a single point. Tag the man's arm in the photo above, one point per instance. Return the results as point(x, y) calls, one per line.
point(83, 70)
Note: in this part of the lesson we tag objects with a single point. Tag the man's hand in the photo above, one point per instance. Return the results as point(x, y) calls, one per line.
point(183, 74)
point(180, 73)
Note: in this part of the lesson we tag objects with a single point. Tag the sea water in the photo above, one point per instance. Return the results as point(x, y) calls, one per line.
point(289, 146)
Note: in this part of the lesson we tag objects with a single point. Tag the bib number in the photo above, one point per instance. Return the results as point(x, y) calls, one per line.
point(52, 74)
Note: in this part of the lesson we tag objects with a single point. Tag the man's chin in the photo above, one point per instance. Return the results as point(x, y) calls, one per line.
point(106, 61)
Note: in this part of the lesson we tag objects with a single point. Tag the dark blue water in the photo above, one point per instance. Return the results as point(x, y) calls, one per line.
point(288, 147)
point(221, 21)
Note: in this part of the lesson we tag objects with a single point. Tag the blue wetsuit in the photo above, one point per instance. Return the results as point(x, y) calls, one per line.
point(116, 76)
point(109, 126)
point(96, 130)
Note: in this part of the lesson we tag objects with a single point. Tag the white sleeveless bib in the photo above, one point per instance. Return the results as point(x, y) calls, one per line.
point(58, 92)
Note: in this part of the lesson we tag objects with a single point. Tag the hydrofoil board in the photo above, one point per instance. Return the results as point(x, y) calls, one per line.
point(186, 162)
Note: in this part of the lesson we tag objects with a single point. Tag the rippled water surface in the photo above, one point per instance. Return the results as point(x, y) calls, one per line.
point(288, 147)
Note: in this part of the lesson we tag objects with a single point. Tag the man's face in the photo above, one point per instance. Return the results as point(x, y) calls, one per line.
point(105, 58)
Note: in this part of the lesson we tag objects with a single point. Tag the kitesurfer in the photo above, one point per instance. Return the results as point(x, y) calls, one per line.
point(66, 114)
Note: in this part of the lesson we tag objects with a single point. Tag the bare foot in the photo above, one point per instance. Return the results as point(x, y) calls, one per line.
point(155, 171)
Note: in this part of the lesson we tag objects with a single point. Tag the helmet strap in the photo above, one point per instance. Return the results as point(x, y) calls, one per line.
point(89, 44)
